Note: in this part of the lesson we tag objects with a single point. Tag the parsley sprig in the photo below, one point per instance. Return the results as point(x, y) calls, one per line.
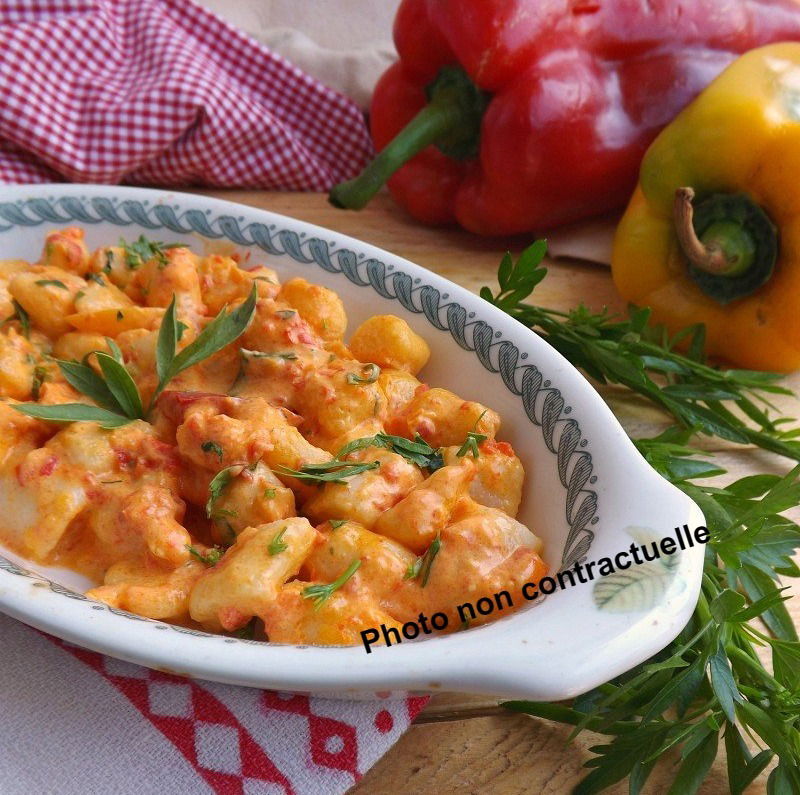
point(114, 390)
point(708, 688)
point(321, 593)
point(418, 451)
point(471, 444)
point(730, 404)
point(210, 558)
point(369, 375)
point(143, 250)
point(277, 544)
point(333, 471)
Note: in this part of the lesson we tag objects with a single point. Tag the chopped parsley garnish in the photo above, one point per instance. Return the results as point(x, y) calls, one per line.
point(418, 452)
point(211, 558)
point(337, 523)
point(39, 377)
point(471, 444)
point(286, 313)
point(421, 567)
point(212, 447)
point(116, 353)
point(143, 250)
point(333, 471)
point(321, 593)
point(277, 545)
point(371, 372)
point(269, 493)
point(51, 283)
point(22, 316)
point(96, 278)
point(218, 484)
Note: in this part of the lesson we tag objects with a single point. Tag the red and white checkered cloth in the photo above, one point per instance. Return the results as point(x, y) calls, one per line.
point(162, 92)
point(74, 722)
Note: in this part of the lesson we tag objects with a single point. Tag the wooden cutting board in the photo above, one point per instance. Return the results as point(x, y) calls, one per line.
point(463, 743)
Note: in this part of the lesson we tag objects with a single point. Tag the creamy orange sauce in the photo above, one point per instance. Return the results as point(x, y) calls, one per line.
point(208, 510)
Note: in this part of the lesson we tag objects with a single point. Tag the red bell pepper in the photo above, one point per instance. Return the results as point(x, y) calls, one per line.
point(513, 115)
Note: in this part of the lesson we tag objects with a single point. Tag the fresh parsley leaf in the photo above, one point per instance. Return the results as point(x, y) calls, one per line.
point(371, 373)
point(471, 444)
point(39, 377)
point(51, 283)
point(269, 493)
point(333, 471)
point(218, 484)
point(213, 447)
point(321, 593)
point(421, 568)
point(88, 382)
point(337, 523)
point(20, 315)
point(96, 278)
point(115, 350)
point(121, 385)
point(418, 452)
point(143, 250)
point(72, 412)
point(412, 572)
point(277, 545)
point(166, 343)
point(221, 331)
point(210, 558)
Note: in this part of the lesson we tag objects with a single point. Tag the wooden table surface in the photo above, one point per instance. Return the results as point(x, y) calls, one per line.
point(463, 743)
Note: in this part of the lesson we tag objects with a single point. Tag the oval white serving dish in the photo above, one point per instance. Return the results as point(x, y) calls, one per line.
point(589, 494)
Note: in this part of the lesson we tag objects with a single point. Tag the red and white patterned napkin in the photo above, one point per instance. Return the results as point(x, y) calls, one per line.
point(162, 92)
point(74, 722)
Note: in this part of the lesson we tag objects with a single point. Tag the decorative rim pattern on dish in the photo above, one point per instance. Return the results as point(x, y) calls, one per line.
point(544, 404)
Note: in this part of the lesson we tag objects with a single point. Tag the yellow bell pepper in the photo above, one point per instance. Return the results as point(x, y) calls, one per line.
point(712, 233)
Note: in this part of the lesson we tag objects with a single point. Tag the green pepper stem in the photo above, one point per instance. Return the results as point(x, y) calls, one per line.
point(433, 122)
point(711, 259)
point(451, 120)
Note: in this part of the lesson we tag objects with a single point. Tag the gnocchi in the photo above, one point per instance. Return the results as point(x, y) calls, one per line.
point(290, 484)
